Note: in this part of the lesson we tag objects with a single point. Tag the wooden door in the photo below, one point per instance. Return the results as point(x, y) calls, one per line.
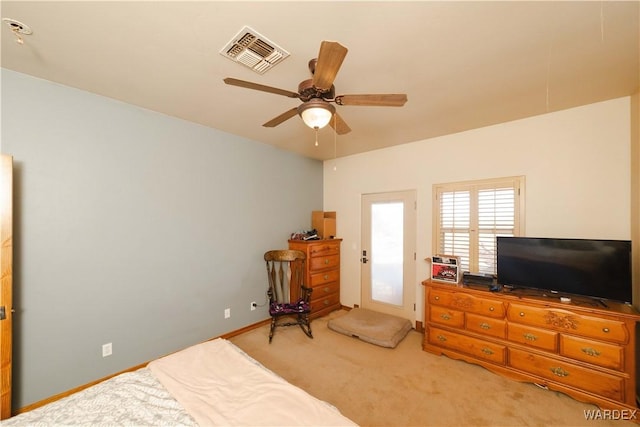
point(6, 280)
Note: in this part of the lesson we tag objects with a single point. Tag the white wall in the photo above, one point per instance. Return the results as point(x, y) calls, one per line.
point(576, 164)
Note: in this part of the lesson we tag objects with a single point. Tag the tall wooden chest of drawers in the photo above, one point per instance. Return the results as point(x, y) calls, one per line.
point(582, 349)
point(322, 273)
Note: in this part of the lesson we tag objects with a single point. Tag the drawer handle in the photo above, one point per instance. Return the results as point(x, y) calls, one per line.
point(529, 336)
point(522, 314)
point(327, 289)
point(445, 316)
point(591, 352)
point(485, 326)
point(491, 309)
point(559, 372)
point(326, 276)
point(437, 298)
point(326, 302)
point(605, 330)
point(326, 261)
point(441, 338)
point(487, 351)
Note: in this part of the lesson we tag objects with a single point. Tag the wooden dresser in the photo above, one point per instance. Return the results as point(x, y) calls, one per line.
point(580, 348)
point(322, 273)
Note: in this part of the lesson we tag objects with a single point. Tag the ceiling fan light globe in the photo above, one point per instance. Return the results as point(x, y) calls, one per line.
point(316, 113)
point(316, 117)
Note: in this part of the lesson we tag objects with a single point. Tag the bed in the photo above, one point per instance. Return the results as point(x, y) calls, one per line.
point(213, 383)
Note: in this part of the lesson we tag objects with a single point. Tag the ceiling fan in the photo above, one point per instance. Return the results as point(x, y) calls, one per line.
point(318, 93)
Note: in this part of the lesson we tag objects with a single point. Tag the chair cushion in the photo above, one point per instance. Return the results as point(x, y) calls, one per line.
point(289, 308)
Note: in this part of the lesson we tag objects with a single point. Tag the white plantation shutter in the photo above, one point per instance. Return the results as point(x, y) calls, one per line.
point(468, 216)
point(455, 223)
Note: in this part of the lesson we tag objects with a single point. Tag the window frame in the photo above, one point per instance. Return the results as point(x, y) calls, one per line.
point(474, 186)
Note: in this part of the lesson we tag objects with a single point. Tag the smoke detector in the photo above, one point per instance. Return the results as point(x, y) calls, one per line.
point(19, 29)
point(17, 26)
point(253, 50)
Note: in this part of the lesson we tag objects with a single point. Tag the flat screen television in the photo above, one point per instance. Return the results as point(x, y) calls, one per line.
point(598, 269)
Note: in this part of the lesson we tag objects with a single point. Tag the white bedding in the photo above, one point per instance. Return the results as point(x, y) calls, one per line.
point(213, 383)
point(133, 399)
point(219, 387)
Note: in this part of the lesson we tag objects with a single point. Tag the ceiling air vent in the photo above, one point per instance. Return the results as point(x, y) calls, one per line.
point(253, 50)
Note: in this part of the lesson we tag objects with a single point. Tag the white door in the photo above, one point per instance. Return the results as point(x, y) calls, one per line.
point(388, 253)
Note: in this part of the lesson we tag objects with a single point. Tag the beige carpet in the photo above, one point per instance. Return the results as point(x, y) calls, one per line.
point(405, 386)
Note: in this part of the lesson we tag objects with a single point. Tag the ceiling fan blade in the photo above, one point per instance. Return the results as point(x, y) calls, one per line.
point(379, 100)
point(263, 88)
point(339, 125)
point(329, 61)
point(281, 118)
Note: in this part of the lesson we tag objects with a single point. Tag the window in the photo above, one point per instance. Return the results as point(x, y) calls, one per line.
point(469, 215)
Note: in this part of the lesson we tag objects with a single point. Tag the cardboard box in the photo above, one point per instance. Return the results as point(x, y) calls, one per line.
point(324, 223)
point(445, 268)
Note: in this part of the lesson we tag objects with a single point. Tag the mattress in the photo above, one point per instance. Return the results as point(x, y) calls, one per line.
point(213, 383)
point(132, 398)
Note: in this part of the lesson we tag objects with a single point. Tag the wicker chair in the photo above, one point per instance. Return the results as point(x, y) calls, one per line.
point(289, 298)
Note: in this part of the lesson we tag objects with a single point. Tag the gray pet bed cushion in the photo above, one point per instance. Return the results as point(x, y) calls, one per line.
point(376, 328)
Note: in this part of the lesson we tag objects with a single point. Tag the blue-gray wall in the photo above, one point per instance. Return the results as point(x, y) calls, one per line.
point(134, 228)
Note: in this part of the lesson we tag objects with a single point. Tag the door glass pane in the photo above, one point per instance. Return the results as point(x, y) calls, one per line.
point(387, 252)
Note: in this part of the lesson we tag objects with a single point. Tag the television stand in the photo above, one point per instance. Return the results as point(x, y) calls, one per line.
point(576, 347)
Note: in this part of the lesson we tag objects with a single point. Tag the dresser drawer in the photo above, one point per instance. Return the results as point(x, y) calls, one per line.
point(324, 277)
point(446, 316)
point(466, 302)
point(319, 263)
point(589, 380)
point(324, 249)
point(495, 353)
point(324, 301)
point(325, 289)
point(593, 327)
point(603, 329)
point(488, 307)
point(536, 316)
point(534, 337)
point(486, 325)
point(598, 353)
point(438, 297)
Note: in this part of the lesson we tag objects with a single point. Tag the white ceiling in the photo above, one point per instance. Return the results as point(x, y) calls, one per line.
point(462, 65)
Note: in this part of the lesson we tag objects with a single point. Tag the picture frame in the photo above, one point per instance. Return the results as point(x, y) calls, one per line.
point(445, 268)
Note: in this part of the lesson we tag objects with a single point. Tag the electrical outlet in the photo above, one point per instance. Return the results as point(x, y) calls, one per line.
point(227, 313)
point(253, 305)
point(107, 349)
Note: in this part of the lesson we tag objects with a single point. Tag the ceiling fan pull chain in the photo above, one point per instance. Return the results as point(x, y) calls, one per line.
point(316, 129)
point(335, 142)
